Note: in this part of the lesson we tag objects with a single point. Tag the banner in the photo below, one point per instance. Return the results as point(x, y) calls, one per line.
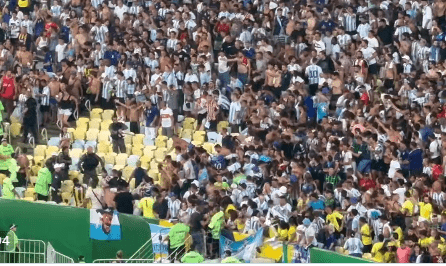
point(160, 247)
point(245, 249)
point(300, 255)
point(104, 225)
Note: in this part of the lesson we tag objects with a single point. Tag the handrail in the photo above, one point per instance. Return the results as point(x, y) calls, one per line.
point(179, 251)
point(44, 134)
point(88, 105)
point(141, 248)
point(76, 114)
point(7, 130)
point(32, 142)
point(18, 150)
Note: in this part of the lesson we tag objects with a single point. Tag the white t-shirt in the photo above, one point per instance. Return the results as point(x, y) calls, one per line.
point(188, 167)
point(166, 120)
point(60, 50)
point(233, 109)
point(223, 64)
point(354, 246)
point(392, 169)
point(95, 204)
point(119, 11)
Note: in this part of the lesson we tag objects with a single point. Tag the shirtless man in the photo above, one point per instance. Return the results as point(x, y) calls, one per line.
point(243, 68)
point(81, 38)
point(54, 86)
point(134, 113)
point(74, 84)
point(25, 59)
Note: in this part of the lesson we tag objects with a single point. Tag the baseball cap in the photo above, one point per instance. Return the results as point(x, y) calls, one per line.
point(306, 222)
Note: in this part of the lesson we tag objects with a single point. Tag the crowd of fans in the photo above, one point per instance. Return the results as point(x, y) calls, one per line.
point(337, 123)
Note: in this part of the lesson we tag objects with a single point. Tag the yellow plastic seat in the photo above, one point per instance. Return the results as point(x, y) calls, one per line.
point(105, 125)
point(66, 196)
point(160, 153)
point(95, 116)
point(128, 148)
point(198, 136)
point(189, 120)
point(95, 123)
point(82, 120)
point(33, 179)
point(79, 133)
point(137, 150)
point(15, 129)
point(169, 144)
point(76, 153)
point(70, 131)
point(29, 192)
point(104, 147)
point(145, 161)
point(132, 184)
point(367, 256)
point(138, 139)
point(153, 173)
point(108, 114)
point(127, 172)
point(128, 139)
point(80, 124)
point(73, 174)
point(197, 143)
point(118, 167)
point(50, 150)
point(161, 142)
point(14, 119)
point(92, 134)
point(110, 158)
point(29, 198)
point(97, 110)
point(67, 186)
point(36, 167)
point(40, 150)
point(209, 147)
point(121, 159)
point(104, 136)
point(187, 133)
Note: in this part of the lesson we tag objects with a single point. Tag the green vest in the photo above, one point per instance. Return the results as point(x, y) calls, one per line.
point(7, 189)
point(6, 151)
point(12, 242)
point(230, 260)
point(192, 257)
point(44, 179)
point(216, 224)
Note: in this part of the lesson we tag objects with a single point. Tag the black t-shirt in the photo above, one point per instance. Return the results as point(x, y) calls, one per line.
point(287, 149)
point(161, 209)
point(124, 202)
point(386, 35)
point(90, 161)
point(195, 222)
point(114, 128)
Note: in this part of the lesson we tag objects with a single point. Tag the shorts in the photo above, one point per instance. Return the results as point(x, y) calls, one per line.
point(53, 101)
point(374, 69)
point(121, 100)
point(66, 112)
point(44, 108)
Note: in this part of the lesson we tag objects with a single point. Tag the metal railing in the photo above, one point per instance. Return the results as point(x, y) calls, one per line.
point(55, 257)
point(88, 105)
point(7, 130)
point(18, 150)
point(181, 250)
point(44, 134)
point(29, 251)
point(123, 261)
point(144, 252)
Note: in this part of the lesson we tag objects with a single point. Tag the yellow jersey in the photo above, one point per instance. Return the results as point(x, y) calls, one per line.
point(378, 255)
point(146, 204)
point(408, 206)
point(366, 235)
point(332, 219)
point(425, 210)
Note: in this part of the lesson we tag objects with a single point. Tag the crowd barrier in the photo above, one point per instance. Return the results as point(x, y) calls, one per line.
point(67, 229)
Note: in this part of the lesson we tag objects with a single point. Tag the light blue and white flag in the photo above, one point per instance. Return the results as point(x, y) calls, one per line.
point(160, 247)
point(244, 249)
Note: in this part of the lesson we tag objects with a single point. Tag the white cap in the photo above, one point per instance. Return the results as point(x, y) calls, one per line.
point(195, 182)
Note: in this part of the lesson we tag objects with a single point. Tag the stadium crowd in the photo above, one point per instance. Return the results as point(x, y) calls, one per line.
point(335, 132)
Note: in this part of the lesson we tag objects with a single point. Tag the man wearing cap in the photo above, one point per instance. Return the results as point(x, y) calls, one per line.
point(192, 256)
point(6, 151)
point(88, 163)
point(177, 239)
point(44, 179)
point(146, 205)
point(12, 244)
point(57, 183)
point(8, 190)
point(310, 234)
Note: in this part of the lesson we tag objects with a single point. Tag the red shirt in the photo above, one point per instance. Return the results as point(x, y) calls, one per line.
point(223, 27)
point(403, 255)
point(8, 88)
point(365, 98)
point(367, 183)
